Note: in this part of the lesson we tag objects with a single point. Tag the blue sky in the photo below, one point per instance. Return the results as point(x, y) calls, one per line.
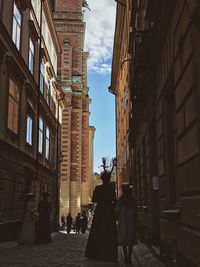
point(102, 117)
point(99, 36)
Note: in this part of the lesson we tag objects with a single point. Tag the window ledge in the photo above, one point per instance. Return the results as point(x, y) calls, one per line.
point(171, 211)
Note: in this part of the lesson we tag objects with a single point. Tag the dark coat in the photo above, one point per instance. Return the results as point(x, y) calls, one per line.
point(44, 227)
point(102, 241)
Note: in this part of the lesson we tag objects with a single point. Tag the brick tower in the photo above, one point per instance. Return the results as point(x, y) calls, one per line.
point(72, 73)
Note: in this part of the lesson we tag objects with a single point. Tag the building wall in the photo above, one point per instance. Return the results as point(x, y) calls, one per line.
point(164, 125)
point(174, 123)
point(184, 103)
point(120, 87)
point(72, 72)
point(21, 171)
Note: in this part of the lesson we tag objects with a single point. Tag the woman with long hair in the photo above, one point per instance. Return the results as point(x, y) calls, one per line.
point(102, 241)
point(127, 219)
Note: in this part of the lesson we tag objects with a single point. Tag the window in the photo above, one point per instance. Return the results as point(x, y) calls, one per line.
point(31, 56)
point(42, 78)
point(49, 44)
point(48, 92)
point(40, 144)
point(13, 106)
point(29, 130)
point(47, 143)
point(33, 3)
point(16, 30)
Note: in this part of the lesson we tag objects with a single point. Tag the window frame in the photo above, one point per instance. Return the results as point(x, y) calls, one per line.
point(31, 117)
point(10, 96)
point(42, 76)
point(32, 54)
point(40, 135)
point(47, 141)
point(14, 19)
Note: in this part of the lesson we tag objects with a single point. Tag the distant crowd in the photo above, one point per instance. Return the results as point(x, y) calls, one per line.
point(77, 225)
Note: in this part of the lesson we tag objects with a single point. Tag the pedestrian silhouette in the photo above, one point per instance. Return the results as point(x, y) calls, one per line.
point(63, 222)
point(78, 223)
point(84, 222)
point(44, 227)
point(69, 223)
point(127, 219)
point(102, 241)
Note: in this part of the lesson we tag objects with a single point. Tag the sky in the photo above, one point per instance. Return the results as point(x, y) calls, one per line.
point(99, 36)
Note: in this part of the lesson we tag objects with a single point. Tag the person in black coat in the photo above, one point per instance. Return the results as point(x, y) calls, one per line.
point(69, 223)
point(78, 223)
point(102, 241)
point(44, 226)
point(84, 222)
point(63, 222)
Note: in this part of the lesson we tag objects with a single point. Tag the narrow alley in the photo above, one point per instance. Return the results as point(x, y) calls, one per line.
point(66, 250)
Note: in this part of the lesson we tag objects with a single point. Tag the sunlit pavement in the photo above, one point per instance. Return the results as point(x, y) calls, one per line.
point(66, 250)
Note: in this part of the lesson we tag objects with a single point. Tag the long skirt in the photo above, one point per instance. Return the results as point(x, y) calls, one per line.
point(44, 229)
point(28, 234)
point(102, 241)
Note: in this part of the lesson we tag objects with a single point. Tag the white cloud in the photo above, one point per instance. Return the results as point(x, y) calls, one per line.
point(100, 23)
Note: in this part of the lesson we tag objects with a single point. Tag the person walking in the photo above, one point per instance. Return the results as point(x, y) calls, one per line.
point(44, 227)
point(69, 222)
point(78, 223)
point(84, 222)
point(102, 241)
point(127, 219)
point(28, 231)
point(63, 222)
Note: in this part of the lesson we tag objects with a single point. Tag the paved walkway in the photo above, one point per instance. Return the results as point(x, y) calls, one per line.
point(66, 250)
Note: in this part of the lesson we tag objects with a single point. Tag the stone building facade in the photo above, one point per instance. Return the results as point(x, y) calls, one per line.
point(28, 110)
point(164, 125)
point(120, 88)
point(72, 73)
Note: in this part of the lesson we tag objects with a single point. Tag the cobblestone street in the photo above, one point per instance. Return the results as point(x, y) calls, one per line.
point(66, 250)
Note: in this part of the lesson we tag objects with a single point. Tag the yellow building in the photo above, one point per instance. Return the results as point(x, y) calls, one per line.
point(120, 87)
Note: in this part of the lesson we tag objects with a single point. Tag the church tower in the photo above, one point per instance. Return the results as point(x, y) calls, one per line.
point(72, 74)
